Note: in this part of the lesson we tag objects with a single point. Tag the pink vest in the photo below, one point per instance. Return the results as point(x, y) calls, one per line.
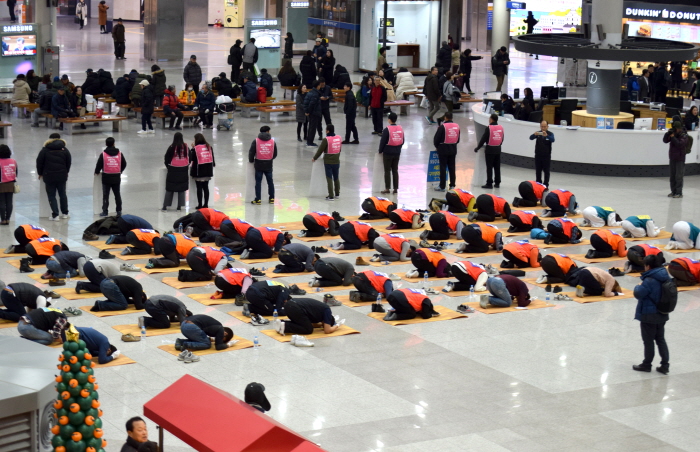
point(451, 132)
point(8, 170)
point(495, 135)
point(264, 150)
point(395, 135)
point(204, 154)
point(112, 164)
point(334, 144)
point(179, 161)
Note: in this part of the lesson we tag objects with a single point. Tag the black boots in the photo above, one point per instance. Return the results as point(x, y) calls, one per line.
point(24, 265)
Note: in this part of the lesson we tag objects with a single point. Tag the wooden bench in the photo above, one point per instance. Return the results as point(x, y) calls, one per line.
point(25, 108)
point(7, 105)
point(186, 115)
point(238, 99)
point(71, 122)
point(403, 105)
point(124, 109)
point(108, 101)
point(3, 124)
point(293, 89)
point(247, 108)
point(265, 111)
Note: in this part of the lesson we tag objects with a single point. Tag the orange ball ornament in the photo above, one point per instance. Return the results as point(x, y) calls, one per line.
point(91, 378)
point(65, 395)
point(97, 386)
point(63, 420)
point(66, 368)
point(60, 357)
point(85, 393)
point(58, 404)
point(74, 408)
point(55, 429)
point(104, 443)
point(98, 433)
point(90, 449)
point(60, 449)
point(99, 412)
point(92, 364)
point(59, 378)
point(90, 420)
point(73, 383)
point(95, 403)
point(76, 436)
point(88, 356)
point(73, 359)
point(84, 369)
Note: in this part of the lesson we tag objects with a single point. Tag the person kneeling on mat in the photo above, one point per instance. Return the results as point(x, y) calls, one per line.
point(263, 243)
point(377, 208)
point(559, 268)
point(264, 298)
point(456, 200)
point(295, 258)
point(141, 241)
point(605, 244)
point(503, 289)
point(121, 291)
point(636, 255)
point(304, 314)
point(235, 229)
point(127, 223)
point(95, 270)
point(686, 236)
point(531, 193)
point(479, 238)
point(232, 283)
point(64, 263)
point(597, 217)
point(488, 207)
point(163, 310)
point(558, 202)
point(407, 304)
point(521, 254)
point(560, 231)
point(443, 225)
point(44, 325)
point(392, 248)
point(24, 234)
point(40, 250)
point(468, 275)
point(370, 284)
point(205, 262)
point(198, 329)
point(430, 261)
point(173, 247)
point(20, 298)
point(594, 282)
point(318, 223)
point(207, 219)
point(333, 271)
point(685, 270)
point(98, 345)
point(405, 219)
point(255, 396)
point(524, 221)
point(355, 234)
point(639, 226)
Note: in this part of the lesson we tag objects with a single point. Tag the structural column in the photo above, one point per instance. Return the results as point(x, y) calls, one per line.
point(500, 34)
point(603, 90)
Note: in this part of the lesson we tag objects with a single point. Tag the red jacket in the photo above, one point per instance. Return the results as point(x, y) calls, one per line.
point(170, 99)
point(377, 97)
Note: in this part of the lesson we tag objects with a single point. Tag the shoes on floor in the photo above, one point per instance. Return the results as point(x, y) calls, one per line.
point(104, 254)
point(65, 216)
point(394, 277)
point(295, 290)
point(246, 310)
point(192, 358)
point(662, 369)
point(257, 202)
point(319, 249)
point(484, 301)
point(129, 268)
point(556, 289)
point(336, 216)
point(258, 320)
point(464, 309)
point(301, 341)
point(255, 272)
point(579, 292)
point(360, 261)
point(57, 282)
point(614, 271)
point(89, 236)
point(449, 287)
point(641, 368)
point(131, 338)
point(330, 300)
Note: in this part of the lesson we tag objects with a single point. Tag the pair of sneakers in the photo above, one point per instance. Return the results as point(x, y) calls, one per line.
point(131, 267)
point(258, 320)
point(300, 341)
point(188, 357)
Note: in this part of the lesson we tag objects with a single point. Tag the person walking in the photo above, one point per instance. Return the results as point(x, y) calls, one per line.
point(235, 58)
point(465, 68)
point(499, 66)
point(250, 56)
point(678, 141)
point(81, 12)
point(176, 180)
point(202, 169)
point(53, 165)
point(350, 110)
point(288, 46)
point(445, 141)
point(449, 92)
point(8, 179)
point(312, 110)
point(302, 119)
point(148, 100)
point(377, 97)
point(543, 152)
point(192, 74)
point(326, 95)
point(390, 147)
point(11, 7)
point(431, 90)
point(652, 322)
point(119, 38)
point(493, 139)
point(263, 150)
point(102, 16)
point(330, 148)
point(112, 164)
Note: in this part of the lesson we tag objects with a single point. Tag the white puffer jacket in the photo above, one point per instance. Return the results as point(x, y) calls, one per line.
point(404, 82)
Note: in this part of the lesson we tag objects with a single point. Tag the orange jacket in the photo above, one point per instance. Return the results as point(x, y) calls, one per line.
point(381, 204)
point(183, 244)
point(146, 235)
point(322, 218)
point(564, 262)
point(452, 219)
point(34, 232)
point(394, 240)
point(538, 188)
point(613, 239)
point(377, 279)
point(214, 217)
point(525, 251)
point(44, 246)
point(361, 230)
point(234, 276)
point(214, 255)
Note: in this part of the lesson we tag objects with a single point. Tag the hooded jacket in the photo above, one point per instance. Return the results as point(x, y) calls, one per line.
point(249, 92)
point(148, 100)
point(307, 67)
point(192, 73)
point(137, 88)
point(235, 57)
point(54, 161)
point(158, 82)
point(404, 82)
point(170, 100)
point(677, 143)
point(121, 90)
point(110, 179)
point(106, 81)
point(444, 57)
point(340, 76)
point(312, 103)
point(20, 95)
point(648, 294)
point(92, 84)
point(261, 165)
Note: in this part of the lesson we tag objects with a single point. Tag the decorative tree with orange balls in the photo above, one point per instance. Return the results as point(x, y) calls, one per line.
point(79, 427)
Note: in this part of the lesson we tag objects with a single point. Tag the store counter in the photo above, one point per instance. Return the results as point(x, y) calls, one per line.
point(613, 152)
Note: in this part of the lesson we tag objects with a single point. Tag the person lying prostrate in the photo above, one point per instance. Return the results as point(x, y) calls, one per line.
point(120, 291)
point(559, 268)
point(355, 235)
point(207, 219)
point(685, 270)
point(489, 207)
point(558, 202)
point(478, 238)
point(597, 217)
point(173, 247)
point(636, 255)
point(521, 254)
point(562, 230)
point(523, 221)
point(468, 275)
point(503, 290)
point(24, 234)
point(408, 304)
point(40, 250)
point(639, 226)
point(264, 242)
point(369, 285)
point(141, 241)
point(126, 223)
point(205, 262)
point(232, 281)
point(235, 229)
point(431, 261)
point(392, 248)
point(332, 271)
point(265, 297)
point(163, 310)
point(199, 329)
point(606, 243)
point(377, 208)
point(95, 270)
point(531, 194)
point(304, 314)
point(318, 223)
point(20, 298)
point(405, 219)
point(98, 345)
point(43, 325)
point(594, 282)
point(64, 262)
point(456, 200)
point(443, 225)
point(295, 258)
point(686, 236)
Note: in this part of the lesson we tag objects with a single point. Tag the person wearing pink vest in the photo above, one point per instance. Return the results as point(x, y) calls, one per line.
point(445, 141)
point(112, 164)
point(202, 169)
point(8, 176)
point(263, 150)
point(330, 148)
point(177, 179)
point(390, 148)
point(493, 139)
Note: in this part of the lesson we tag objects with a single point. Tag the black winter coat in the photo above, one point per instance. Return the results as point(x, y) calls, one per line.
point(307, 67)
point(54, 161)
point(177, 178)
point(110, 179)
point(235, 58)
point(204, 170)
point(327, 66)
point(148, 100)
point(158, 82)
point(106, 82)
point(287, 79)
point(312, 103)
point(122, 90)
point(192, 74)
point(92, 84)
point(340, 77)
point(444, 58)
point(288, 47)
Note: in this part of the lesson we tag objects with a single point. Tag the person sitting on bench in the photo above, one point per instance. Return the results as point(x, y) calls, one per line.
point(332, 271)
point(430, 261)
point(407, 304)
point(456, 200)
point(304, 315)
point(127, 223)
point(63, 263)
point(121, 291)
point(478, 238)
point(686, 236)
point(639, 226)
point(318, 224)
point(296, 258)
point(468, 275)
point(40, 250)
point(521, 254)
point(503, 289)
point(488, 207)
point(559, 269)
point(232, 282)
point(95, 270)
point(597, 217)
point(264, 242)
point(205, 262)
point(606, 243)
point(377, 208)
point(594, 282)
point(20, 298)
point(198, 329)
point(173, 247)
point(163, 310)
point(392, 248)
point(43, 325)
point(531, 193)
point(356, 234)
point(405, 219)
point(636, 255)
point(558, 202)
point(24, 234)
point(524, 221)
point(443, 225)
point(141, 241)
point(98, 345)
point(369, 285)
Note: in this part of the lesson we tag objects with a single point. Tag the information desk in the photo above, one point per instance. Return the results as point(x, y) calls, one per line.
point(582, 118)
point(614, 152)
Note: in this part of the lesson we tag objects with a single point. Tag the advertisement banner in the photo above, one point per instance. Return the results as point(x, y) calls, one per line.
point(434, 168)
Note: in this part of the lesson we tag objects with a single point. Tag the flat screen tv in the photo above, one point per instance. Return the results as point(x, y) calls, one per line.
point(266, 38)
point(19, 45)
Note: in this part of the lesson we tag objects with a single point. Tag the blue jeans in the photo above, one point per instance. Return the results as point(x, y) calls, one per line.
point(51, 189)
point(258, 182)
point(29, 331)
point(55, 267)
point(116, 301)
point(499, 294)
point(198, 340)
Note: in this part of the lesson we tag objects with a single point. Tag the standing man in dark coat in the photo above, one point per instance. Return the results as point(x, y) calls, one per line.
point(677, 139)
point(432, 91)
point(493, 139)
point(350, 110)
point(53, 165)
point(445, 142)
point(499, 66)
point(235, 59)
point(192, 74)
point(444, 57)
point(312, 109)
point(118, 35)
point(543, 152)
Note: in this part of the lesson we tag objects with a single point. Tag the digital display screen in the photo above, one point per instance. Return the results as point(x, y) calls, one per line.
point(553, 16)
point(266, 38)
point(20, 45)
point(674, 32)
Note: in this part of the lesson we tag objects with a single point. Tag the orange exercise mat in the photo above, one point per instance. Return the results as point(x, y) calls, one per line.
point(317, 334)
point(288, 226)
point(445, 314)
point(385, 230)
point(583, 258)
point(357, 218)
point(536, 304)
point(361, 250)
point(69, 294)
point(420, 278)
point(121, 361)
point(316, 239)
point(662, 246)
point(102, 245)
point(3, 255)
point(240, 345)
point(7, 323)
point(491, 252)
point(257, 261)
point(662, 235)
point(134, 330)
point(130, 310)
point(36, 276)
point(173, 282)
point(345, 299)
point(135, 257)
point(15, 263)
point(150, 271)
point(206, 300)
point(381, 263)
point(627, 294)
point(312, 290)
point(543, 245)
point(270, 274)
point(239, 315)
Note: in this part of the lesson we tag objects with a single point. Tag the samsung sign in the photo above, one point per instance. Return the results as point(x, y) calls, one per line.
point(653, 11)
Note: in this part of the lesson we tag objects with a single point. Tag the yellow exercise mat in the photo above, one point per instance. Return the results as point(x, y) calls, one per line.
point(543, 245)
point(7, 323)
point(239, 315)
point(583, 258)
point(662, 235)
point(206, 300)
point(534, 282)
point(662, 246)
point(173, 282)
point(445, 314)
point(270, 274)
point(397, 231)
point(121, 361)
point(491, 252)
point(151, 271)
point(69, 294)
point(130, 310)
point(102, 245)
point(357, 218)
point(317, 334)
point(536, 304)
point(240, 345)
point(317, 239)
point(680, 289)
point(135, 257)
point(461, 293)
point(627, 293)
point(361, 250)
point(516, 234)
point(36, 276)
point(257, 261)
point(381, 263)
point(136, 331)
point(420, 278)
point(3, 255)
point(526, 269)
point(345, 299)
point(15, 263)
point(311, 290)
point(288, 226)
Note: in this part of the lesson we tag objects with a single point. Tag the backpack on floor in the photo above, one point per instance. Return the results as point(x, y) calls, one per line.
point(262, 95)
point(669, 297)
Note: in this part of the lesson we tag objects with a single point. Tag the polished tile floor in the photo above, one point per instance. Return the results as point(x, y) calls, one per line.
point(556, 379)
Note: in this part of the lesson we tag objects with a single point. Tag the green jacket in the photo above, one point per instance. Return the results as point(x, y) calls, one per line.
point(329, 159)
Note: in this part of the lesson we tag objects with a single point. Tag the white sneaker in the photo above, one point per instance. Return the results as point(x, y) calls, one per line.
point(541, 279)
point(56, 218)
point(585, 224)
point(294, 340)
point(303, 342)
point(151, 131)
point(191, 358)
point(628, 267)
point(183, 355)
point(394, 277)
point(314, 283)
point(129, 268)
point(461, 247)
point(340, 322)
point(279, 326)
point(579, 291)
point(449, 287)
point(484, 301)
point(412, 274)
point(142, 132)
point(65, 216)
point(376, 258)
point(336, 318)
point(245, 254)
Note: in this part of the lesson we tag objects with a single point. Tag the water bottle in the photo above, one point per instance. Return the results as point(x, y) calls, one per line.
point(425, 280)
point(255, 342)
point(379, 298)
point(546, 298)
point(143, 332)
point(318, 289)
point(68, 277)
point(179, 228)
point(403, 206)
point(263, 269)
point(472, 295)
point(274, 315)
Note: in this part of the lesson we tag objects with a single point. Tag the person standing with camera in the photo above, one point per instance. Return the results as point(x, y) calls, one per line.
point(678, 142)
point(543, 152)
